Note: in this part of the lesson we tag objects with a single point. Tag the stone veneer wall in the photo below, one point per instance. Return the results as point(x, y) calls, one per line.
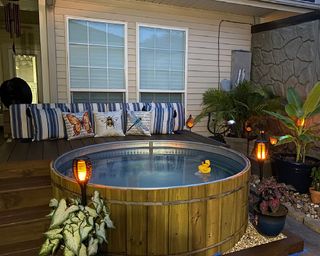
point(287, 57)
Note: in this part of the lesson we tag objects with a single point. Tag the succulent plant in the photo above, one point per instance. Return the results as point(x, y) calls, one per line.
point(76, 228)
point(270, 193)
point(315, 175)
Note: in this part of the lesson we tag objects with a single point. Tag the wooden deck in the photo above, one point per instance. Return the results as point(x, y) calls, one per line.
point(16, 151)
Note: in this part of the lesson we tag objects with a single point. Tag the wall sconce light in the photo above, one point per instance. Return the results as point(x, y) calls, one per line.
point(261, 153)
point(190, 122)
point(82, 171)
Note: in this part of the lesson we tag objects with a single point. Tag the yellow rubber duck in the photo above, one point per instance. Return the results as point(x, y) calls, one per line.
point(205, 167)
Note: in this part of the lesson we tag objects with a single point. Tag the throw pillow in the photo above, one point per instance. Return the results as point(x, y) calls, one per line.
point(47, 123)
point(78, 125)
point(162, 120)
point(108, 124)
point(139, 123)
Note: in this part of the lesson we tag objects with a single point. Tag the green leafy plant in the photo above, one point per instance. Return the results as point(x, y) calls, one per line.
point(315, 175)
point(78, 229)
point(240, 104)
point(302, 131)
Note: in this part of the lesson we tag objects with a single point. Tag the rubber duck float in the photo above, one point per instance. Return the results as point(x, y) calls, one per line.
point(205, 167)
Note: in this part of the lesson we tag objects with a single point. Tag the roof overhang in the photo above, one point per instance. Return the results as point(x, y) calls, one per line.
point(243, 7)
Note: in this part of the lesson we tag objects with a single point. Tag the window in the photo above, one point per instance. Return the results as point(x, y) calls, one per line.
point(97, 61)
point(162, 64)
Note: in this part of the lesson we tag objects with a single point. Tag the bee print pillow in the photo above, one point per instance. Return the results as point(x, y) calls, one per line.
point(108, 124)
point(78, 125)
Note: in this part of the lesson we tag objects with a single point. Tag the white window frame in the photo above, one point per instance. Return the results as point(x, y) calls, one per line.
point(139, 91)
point(69, 89)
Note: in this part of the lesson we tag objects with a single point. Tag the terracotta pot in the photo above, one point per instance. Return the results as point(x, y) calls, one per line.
point(315, 195)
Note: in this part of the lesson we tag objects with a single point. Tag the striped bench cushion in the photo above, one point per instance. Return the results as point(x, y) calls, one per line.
point(47, 123)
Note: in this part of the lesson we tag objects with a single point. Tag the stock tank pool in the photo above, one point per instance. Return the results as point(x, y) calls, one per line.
point(159, 202)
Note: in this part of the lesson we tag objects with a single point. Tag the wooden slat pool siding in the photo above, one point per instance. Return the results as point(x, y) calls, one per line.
point(17, 151)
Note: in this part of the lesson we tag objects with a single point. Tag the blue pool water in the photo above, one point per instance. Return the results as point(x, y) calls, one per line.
point(155, 168)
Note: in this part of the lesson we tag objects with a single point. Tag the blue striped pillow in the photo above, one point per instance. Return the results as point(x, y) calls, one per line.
point(47, 124)
point(162, 120)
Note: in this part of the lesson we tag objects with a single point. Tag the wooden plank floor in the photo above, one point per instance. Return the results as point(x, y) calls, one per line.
point(16, 151)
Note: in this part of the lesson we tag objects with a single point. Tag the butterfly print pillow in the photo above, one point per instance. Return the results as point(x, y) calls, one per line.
point(78, 125)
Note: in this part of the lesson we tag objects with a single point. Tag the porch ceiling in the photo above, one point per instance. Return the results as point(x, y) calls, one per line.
point(242, 7)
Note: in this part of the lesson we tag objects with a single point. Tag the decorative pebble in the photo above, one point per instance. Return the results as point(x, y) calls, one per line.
point(252, 238)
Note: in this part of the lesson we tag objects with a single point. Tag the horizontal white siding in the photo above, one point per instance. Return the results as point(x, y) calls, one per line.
point(203, 41)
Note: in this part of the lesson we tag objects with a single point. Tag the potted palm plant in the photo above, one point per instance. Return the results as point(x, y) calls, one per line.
point(315, 188)
point(270, 213)
point(295, 169)
point(241, 104)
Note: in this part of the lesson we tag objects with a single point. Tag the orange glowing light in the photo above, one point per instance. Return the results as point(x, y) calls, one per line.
point(190, 122)
point(248, 129)
point(82, 170)
point(300, 122)
point(273, 140)
point(261, 151)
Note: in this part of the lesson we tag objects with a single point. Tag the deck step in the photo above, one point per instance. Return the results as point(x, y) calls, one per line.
point(27, 248)
point(16, 193)
point(22, 225)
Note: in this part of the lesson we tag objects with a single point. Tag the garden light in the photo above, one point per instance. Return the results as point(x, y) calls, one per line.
point(82, 171)
point(273, 141)
point(248, 129)
point(300, 122)
point(261, 152)
point(190, 122)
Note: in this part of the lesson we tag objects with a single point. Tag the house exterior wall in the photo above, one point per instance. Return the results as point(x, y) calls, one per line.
point(287, 57)
point(202, 59)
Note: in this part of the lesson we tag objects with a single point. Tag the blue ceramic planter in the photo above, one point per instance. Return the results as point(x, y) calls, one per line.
point(270, 225)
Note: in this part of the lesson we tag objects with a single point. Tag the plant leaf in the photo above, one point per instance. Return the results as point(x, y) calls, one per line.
point(67, 252)
point(59, 217)
point(285, 139)
point(46, 248)
point(293, 98)
point(92, 212)
point(84, 232)
point(53, 233)
point(101, 232)
point(53, 203)
point(72, 241)
point(313, 100)
point(108, 221)
point(93, 247)
point(83, 250)
point(285, 120)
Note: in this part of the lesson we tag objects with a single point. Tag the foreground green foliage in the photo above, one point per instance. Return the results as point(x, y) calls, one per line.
point(240, 104)
point(315, 175)
point(75, 228)
point(302, 131)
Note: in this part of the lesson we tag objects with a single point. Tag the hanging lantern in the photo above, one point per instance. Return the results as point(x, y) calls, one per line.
point(190, 122)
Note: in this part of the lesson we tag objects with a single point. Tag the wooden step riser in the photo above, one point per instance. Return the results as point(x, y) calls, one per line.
point(25, 169)
point(21, 232)
point(26, 252)
point(17, 199)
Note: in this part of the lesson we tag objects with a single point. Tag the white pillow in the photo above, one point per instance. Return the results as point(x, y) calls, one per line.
point(78, 125)
point(108, 124)
point(139, 123)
